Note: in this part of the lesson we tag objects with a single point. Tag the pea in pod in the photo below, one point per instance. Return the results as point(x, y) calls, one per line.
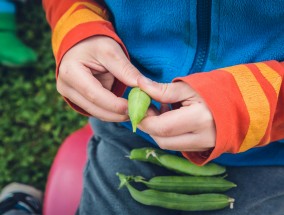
point(177, 201)
point(187, 184)
point(175, 163)
point(138, 104)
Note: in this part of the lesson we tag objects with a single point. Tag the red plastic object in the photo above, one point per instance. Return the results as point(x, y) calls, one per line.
point(64, 184)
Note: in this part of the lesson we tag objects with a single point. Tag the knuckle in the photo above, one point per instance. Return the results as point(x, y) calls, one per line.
point(163, 131)
point(165, 95)
point(90, 95)
point(211, 140)
point(118, 108)
point(88, 110)
point(111, 118)
point(64, 71)
point(207, 119)
point(110, 50)
point(162, 145)
point(60, 88)
point(127, 68)
point(93, 111)
point(120, 119)
point(104, 119)
point(202, 117)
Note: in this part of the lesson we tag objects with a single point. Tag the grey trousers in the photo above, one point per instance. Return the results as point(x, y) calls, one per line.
point(259, 191)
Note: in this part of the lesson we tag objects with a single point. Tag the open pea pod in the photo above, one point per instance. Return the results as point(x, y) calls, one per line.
point(138, 104)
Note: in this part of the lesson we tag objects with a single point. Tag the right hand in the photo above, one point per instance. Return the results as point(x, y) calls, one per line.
point(87, 73)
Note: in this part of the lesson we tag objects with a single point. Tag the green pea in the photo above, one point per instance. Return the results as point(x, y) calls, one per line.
point(176, 163)
point(177, 201)
point(138, 104)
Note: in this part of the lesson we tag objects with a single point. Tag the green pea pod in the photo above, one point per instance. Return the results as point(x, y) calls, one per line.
point(184, 166)
point(145, 154)
point(177, 201)
point(176, 163)
point(187, 184)
point(138, 104)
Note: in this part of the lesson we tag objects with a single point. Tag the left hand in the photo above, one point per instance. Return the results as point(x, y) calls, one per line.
point(189, 128)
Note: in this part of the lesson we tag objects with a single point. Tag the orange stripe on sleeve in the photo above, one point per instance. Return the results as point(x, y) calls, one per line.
point(253, 95)
point(56, 8)
point(75, 16)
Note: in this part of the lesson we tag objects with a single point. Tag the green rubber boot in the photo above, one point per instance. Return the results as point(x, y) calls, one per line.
point(13, 52)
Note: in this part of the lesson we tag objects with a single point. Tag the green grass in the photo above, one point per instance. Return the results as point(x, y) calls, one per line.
point(34, 118)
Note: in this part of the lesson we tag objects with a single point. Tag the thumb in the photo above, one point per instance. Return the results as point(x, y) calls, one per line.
point(165, 92)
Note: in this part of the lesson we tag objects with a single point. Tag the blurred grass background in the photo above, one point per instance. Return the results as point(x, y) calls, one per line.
point(34, 118)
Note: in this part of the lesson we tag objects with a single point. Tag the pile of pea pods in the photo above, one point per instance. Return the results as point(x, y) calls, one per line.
point(196, 188)
point(193, 188)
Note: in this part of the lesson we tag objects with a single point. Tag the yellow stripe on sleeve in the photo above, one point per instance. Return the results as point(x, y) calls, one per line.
point(253, 95)
point(71, 19)
point(271, 76)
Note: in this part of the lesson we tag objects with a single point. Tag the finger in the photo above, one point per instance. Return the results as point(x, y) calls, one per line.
point(186, 119)
point(93, 109)
point(166, 93)
point(122, 69)
point(184, 142)
point(152, 111)
point(92, 89)
point(106, 79)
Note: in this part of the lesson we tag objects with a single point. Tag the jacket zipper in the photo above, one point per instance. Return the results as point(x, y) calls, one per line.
point(203, 13)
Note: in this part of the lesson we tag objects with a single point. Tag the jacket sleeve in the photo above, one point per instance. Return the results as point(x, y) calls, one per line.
point(247, 103)
point(73, 21)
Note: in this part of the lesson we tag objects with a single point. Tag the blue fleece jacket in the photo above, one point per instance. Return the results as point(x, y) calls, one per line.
point(168, 39)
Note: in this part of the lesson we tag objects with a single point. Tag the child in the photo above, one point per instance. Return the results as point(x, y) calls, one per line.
point(233, 116)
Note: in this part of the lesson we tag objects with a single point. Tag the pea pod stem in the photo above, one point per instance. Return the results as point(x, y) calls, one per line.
point(176, 201)
point(146, 154)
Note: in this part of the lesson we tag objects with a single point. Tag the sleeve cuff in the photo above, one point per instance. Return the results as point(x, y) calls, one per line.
point(242, 100)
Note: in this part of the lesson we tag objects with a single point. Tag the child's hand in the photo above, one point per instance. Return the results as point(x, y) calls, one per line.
point(87, 73)
point(189, 128)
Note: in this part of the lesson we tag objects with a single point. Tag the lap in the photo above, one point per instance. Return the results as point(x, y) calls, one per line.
point(107, 153)
point(259, 189)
